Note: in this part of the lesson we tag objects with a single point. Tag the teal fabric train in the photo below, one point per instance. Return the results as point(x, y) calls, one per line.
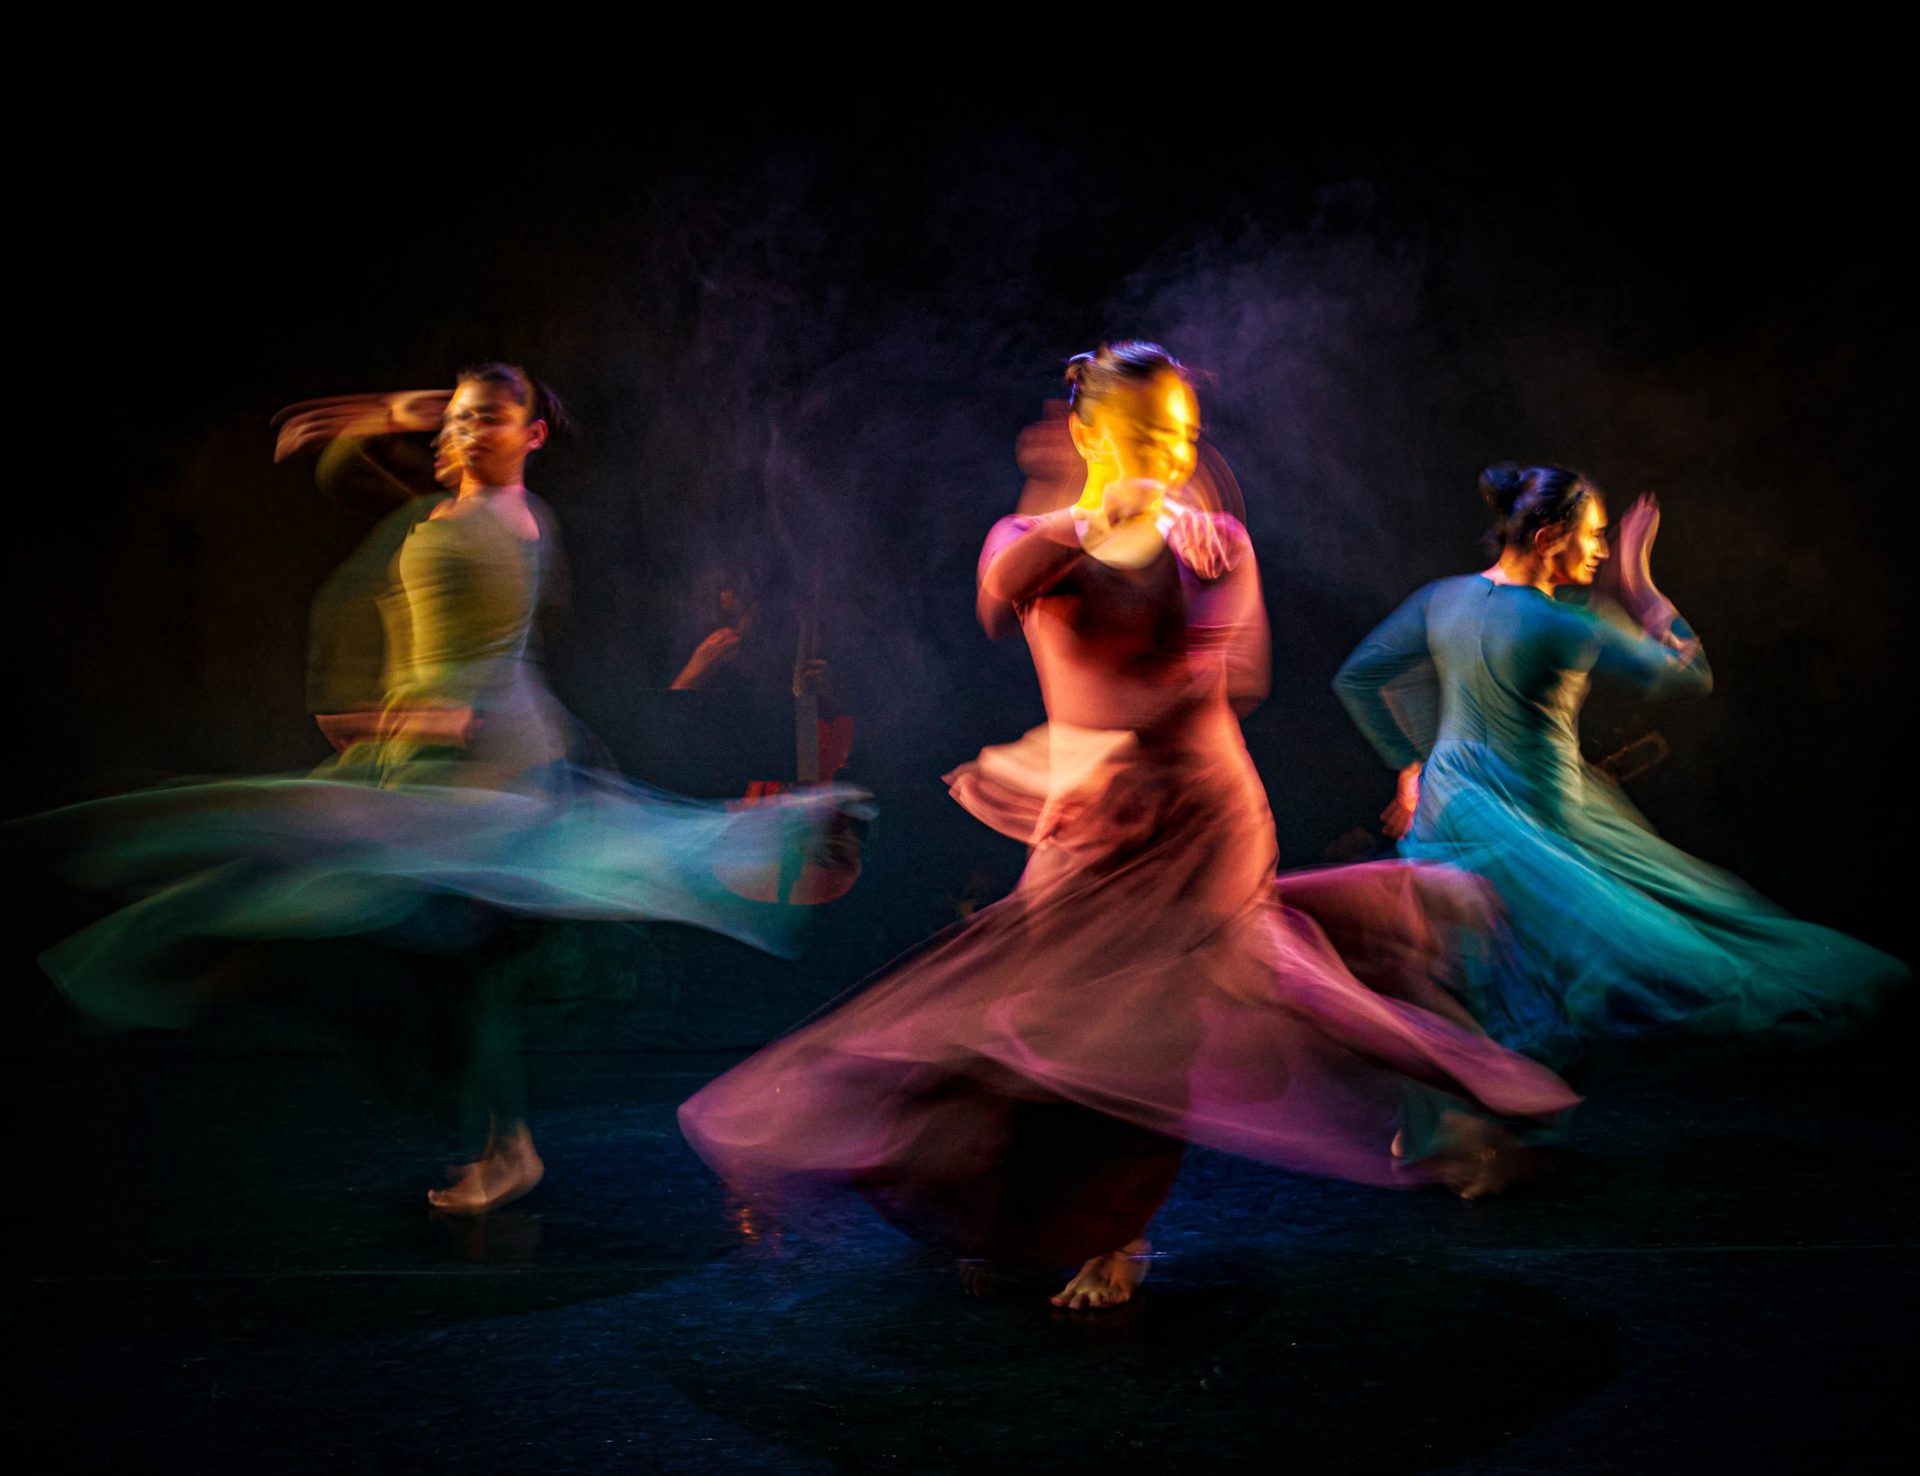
point(378, 842)
point(1619, 934)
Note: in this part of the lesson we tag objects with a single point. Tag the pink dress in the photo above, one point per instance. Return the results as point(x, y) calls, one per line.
point(1023, 1085)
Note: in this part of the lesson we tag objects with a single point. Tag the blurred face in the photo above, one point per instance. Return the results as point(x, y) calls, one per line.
point(446, 468)
point(1149, 430)
point(486, 434)
point(1574, 555)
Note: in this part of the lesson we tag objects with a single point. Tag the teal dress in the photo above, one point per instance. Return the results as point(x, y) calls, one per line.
point(1617, 933)
point(392, 839)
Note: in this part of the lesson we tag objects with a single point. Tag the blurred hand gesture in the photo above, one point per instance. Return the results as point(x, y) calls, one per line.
point(1196, 538)
point(1633, 550)
point(718, 649)
point(311, 423)
point(1054, 471)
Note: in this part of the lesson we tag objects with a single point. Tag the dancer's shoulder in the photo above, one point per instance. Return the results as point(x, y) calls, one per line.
point(1057, 526)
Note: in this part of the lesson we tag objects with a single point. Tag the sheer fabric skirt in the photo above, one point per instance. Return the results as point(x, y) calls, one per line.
point(1619, 934)
point(1022, 1086)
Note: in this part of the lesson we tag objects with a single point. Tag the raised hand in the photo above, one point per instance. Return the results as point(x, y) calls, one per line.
point(311, 423)
point(1633, 551)
point(1634, 557)
point(720, 647)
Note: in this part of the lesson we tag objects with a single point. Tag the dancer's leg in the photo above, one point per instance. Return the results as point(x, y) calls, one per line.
point(493, 1103)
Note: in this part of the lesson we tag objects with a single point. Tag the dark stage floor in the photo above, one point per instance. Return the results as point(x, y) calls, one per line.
point(223, 1262)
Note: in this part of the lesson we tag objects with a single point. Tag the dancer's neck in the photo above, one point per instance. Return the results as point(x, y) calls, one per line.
point(1520, 569)
point(484, 489)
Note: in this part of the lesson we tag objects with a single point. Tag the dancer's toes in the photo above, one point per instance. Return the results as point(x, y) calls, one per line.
point(1105, 1281)
point(463, 1195)
point(509, 1172)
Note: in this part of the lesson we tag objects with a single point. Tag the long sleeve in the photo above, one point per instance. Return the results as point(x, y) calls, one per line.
point(1651, 667)
point(1399, 723)
point(1022, 559)
point(1229, 615)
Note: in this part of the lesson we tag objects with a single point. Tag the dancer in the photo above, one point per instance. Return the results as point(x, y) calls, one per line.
point(454, 803)
point(1023, 1088)
point(1620, 933)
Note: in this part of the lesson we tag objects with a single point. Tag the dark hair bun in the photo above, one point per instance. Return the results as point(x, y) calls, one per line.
point(1092, 377)
point(1500, 484)
point(1527, 499)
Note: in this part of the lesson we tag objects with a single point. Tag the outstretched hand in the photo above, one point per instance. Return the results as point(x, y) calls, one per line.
point(310, 423)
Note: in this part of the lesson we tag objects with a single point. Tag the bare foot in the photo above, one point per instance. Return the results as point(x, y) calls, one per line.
point(1106, 1281)
point(1478, 1158)
point(510, 1170)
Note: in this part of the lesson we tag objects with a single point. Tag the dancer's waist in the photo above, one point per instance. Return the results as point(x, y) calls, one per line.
point(1188, 723)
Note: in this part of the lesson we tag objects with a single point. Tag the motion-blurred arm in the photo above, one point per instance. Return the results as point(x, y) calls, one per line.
point(1227, 615)
point(1658, 665)
point(1663, 658)
point(1394, 655)
point(1023, 558)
